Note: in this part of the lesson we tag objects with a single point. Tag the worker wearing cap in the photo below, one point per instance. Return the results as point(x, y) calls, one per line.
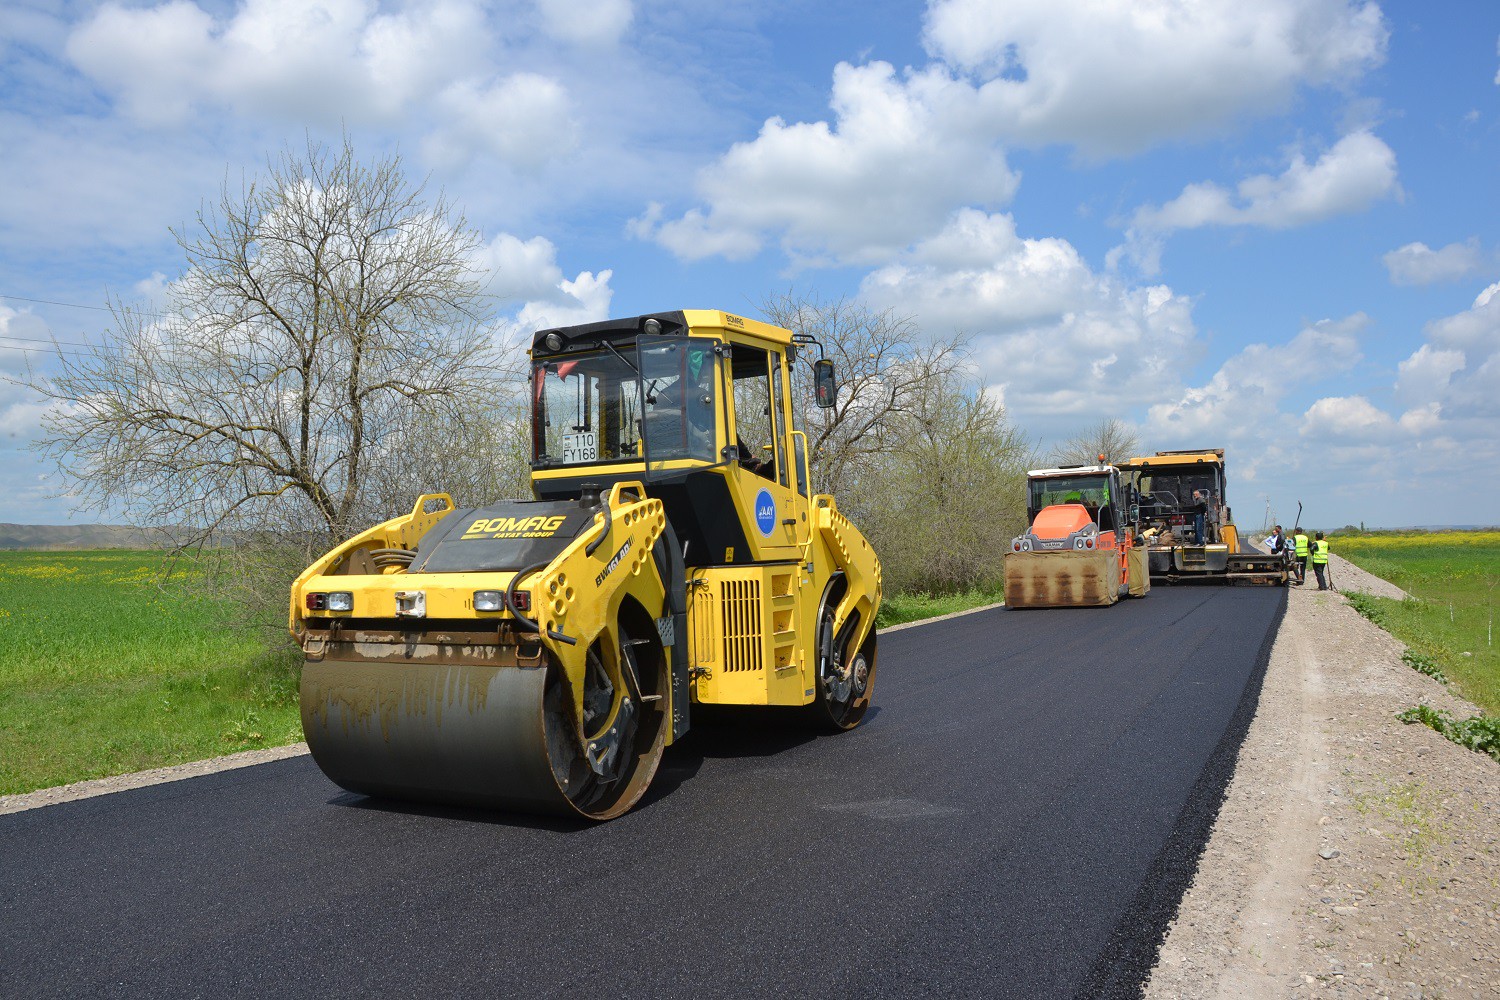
point(1320, 559)
point(1200, 515)
point(1302, 545)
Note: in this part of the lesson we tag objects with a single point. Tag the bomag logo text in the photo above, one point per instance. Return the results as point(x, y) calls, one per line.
point(516, 527)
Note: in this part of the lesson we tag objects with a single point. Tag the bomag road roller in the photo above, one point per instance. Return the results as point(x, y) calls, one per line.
point(1080, 548)
point(538, 655)
point(1186, 522)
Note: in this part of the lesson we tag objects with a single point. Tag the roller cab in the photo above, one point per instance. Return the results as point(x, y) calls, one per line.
point(1080, 549)
point(540, 654)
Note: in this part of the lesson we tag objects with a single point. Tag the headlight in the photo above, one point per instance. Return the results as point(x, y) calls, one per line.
point(488, 600)
point(340, 600)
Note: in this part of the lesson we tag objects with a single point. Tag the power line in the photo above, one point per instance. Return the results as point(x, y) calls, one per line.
point(34, 340)
point(49, 302)
point(40, 350)
point(75, 305)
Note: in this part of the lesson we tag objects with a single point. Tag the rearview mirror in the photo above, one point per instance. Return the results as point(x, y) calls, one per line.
point(825, 383)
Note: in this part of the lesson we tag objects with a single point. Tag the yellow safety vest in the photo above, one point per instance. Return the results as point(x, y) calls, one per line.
point(1301, 542)
point(1320, 551)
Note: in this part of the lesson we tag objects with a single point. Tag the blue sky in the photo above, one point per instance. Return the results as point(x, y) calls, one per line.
point(1270, 226)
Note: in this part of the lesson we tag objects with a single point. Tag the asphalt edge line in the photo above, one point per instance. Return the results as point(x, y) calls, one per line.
point(942, 618)
point(91, 787)
point(1125, 964)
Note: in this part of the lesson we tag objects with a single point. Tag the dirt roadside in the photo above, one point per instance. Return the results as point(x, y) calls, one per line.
point(1354, 855)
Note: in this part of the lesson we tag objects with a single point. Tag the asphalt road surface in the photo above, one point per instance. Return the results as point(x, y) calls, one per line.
point(1017, 817)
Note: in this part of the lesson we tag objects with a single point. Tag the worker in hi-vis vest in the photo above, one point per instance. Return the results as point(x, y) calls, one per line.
point(1300, 540)
point(1320, 559)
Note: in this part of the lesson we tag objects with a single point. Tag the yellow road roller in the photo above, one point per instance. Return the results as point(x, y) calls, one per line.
point(538, 655)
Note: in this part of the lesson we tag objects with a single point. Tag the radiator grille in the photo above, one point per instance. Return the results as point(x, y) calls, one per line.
point(742, 632)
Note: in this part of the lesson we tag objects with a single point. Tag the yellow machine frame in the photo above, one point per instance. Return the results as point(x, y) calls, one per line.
point(762, 615)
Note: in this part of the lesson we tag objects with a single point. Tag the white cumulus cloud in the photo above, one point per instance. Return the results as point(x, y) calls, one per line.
point(890, 168)
point(523, 119)
point(1355, 172)
point(297, 59)
point(904, 149)
point(1347, 417)
point(1419, 264)
point(1060, 341)
point(586, 22)
point(527, 282)
point(1120, 75)
point(1241, 402)
point(333, 63)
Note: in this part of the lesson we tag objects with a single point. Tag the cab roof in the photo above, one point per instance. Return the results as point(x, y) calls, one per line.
point(690, 322)
point(1178, 459)
point(1071, 470)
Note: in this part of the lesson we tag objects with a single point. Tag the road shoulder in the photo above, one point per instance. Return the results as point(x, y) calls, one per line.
point(1353, 855)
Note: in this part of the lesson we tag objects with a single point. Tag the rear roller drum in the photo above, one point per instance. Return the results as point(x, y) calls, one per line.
point(846, 678)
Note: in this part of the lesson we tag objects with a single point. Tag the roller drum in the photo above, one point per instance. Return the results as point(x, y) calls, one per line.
point(481, 735)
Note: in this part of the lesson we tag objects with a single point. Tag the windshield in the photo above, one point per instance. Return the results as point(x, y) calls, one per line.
point(593, 408)
point(1091, 491)
point(680, 394)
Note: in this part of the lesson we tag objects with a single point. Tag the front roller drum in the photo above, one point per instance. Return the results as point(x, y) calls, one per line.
point(499, 737)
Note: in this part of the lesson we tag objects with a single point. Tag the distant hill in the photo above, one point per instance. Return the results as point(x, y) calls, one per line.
point(79, 536)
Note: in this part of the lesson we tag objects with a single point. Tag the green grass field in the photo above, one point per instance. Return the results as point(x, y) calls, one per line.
point(105, 668)
point(898, 609)
point(1456, 576)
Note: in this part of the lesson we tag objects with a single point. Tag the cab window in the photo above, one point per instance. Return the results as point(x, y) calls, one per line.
point(755, 417)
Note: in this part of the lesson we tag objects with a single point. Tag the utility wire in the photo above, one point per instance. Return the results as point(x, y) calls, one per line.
point(36, 340)
point(74, 305)
point(50, 302)
point(40, 350)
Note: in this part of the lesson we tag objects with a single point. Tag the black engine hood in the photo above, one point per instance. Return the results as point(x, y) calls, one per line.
point(504, 537)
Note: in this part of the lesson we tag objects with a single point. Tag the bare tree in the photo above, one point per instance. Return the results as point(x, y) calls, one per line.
point(323, 359)
point(327, 314)
point(921, 456)
point(944, 500)
point(884, 366)
point(1110, 437)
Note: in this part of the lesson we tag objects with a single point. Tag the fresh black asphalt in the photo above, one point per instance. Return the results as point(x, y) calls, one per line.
point(1017, 817)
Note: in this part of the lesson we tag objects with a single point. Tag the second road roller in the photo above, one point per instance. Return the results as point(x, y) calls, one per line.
point(539, 655)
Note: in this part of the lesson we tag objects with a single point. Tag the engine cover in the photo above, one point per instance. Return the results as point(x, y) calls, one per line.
point(504, 537)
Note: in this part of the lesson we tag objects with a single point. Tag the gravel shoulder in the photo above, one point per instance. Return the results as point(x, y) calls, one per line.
point(1353, 855)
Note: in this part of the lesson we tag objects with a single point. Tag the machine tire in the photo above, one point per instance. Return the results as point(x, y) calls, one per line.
point(641, 748)
point(840, 701)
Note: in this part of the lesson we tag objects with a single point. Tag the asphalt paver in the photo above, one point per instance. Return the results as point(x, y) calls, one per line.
point(1017, 817)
